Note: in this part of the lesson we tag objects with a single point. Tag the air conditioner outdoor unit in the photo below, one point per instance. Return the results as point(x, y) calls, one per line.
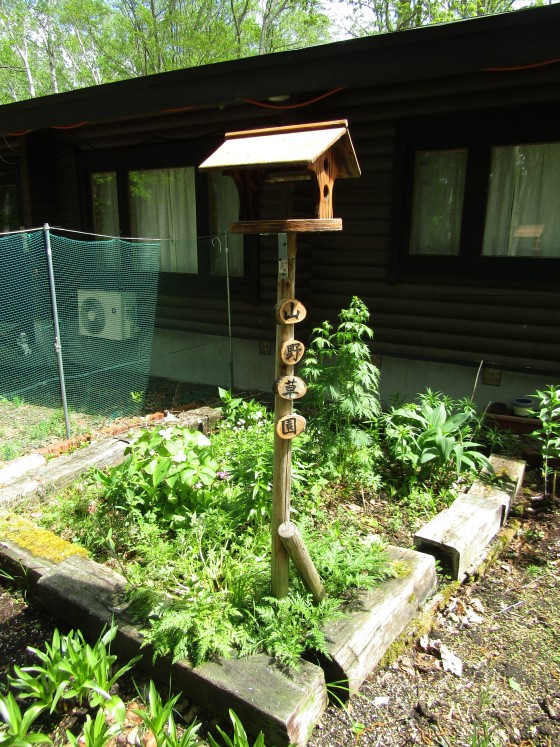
point(110, 315)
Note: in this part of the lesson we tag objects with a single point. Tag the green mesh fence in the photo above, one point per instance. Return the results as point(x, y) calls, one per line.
point(106, 293)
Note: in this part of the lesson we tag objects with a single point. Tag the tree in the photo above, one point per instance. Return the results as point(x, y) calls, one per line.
point(47, 46)
point(364, 17)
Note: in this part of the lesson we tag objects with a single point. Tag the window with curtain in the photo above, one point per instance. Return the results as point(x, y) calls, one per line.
point(437, 203)
point(523, 209)
point(478, 193)
point(189, 212)
point(163, 206)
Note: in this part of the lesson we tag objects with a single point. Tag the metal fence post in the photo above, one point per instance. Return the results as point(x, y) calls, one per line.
point(57, 344)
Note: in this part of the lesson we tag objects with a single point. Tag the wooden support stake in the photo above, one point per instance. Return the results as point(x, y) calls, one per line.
point(291, 538)
point(282, 471)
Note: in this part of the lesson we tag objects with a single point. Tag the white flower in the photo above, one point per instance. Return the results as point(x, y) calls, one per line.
point(179, 457)
point(166, 433)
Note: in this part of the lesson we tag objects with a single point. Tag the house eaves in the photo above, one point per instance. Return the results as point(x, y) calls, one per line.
point(514, 40)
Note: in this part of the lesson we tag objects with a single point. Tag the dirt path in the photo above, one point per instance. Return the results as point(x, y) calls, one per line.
point(500, 682)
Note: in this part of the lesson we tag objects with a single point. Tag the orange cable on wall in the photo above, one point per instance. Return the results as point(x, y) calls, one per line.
point(292, 106)
point(69, 127)
point(520, 67)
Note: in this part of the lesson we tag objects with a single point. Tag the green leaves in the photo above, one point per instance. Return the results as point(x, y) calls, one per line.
point(74, 670)
point(16, 732)
point(548, 434)
point(432, 443)
point(70, 669)
point(240, 738)
point(166, 475)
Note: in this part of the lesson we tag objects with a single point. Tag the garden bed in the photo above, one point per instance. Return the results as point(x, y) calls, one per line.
point(286, 705)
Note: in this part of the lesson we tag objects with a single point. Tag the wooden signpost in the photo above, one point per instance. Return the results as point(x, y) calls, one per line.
point(321, 152)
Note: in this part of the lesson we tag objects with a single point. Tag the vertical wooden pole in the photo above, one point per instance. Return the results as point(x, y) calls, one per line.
point(282, 473)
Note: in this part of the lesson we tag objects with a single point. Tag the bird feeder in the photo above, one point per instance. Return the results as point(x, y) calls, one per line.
point(320, 152)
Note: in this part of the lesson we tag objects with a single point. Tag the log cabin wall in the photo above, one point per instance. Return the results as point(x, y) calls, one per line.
point(421, 323)
point(515, 326)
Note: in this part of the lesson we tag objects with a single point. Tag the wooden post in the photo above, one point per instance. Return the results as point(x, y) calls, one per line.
point(282, 472)
point(291, 538)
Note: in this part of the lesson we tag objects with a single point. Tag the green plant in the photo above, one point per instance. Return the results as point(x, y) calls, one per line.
point(287, 628)
point(244, 445)
point(548, 434)
point(339, 370)
point(430, 442)
point(97, 732)
point(70, 669)
point(167, 474)
point(343, 393)
point(240, 738)
point(159, 720)
point(17, 724)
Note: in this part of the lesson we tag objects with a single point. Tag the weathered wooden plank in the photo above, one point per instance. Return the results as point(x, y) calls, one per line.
point(358, 641)
point(509, 475)
point(459, 535)
point(15, 470)
point(61, 471)
point(285, 705)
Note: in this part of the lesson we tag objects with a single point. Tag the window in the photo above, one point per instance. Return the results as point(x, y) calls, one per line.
point(523, 208)
point(9, 208)
point(479, 193)
point(143, 195)
point(437, 205)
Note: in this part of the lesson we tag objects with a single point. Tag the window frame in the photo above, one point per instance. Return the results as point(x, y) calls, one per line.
point(12, 180)
point(478, 132)
point(169, 155)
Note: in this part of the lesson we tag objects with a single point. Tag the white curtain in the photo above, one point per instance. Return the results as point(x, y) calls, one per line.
point(163, 206)
point(105, 203)
point(437, 205)
point(523, 213)
point(224, 208)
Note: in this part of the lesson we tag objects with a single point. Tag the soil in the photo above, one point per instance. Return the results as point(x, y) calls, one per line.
point(481, 668)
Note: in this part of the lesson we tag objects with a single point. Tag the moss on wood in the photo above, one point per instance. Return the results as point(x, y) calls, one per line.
point(40, 542)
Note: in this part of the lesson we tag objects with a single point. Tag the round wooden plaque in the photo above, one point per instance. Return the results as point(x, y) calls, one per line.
point(292, 352)
point(290, 426)
point(290, 311)
point(290, 387)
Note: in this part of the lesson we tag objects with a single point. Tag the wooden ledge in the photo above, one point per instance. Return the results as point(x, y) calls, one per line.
point(287, 225)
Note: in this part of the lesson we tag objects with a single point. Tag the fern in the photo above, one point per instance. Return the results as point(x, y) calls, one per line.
point(196, 629)
point(287, 628)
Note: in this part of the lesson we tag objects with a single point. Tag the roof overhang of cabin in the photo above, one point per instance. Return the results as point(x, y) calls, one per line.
point(522, 38)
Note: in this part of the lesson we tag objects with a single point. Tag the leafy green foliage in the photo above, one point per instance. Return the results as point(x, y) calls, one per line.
point(339, 370)
point(96, 732)
point(548, 434)
point(342, 395)
point(50, 47)
point(291, 626)
point(168, 474)
point(377, 17)
point(70, 669)
point(16, 731)
point(430, 442)
point(344, 559)
point(244, 445)
point(240, 738)
point(158, 718)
